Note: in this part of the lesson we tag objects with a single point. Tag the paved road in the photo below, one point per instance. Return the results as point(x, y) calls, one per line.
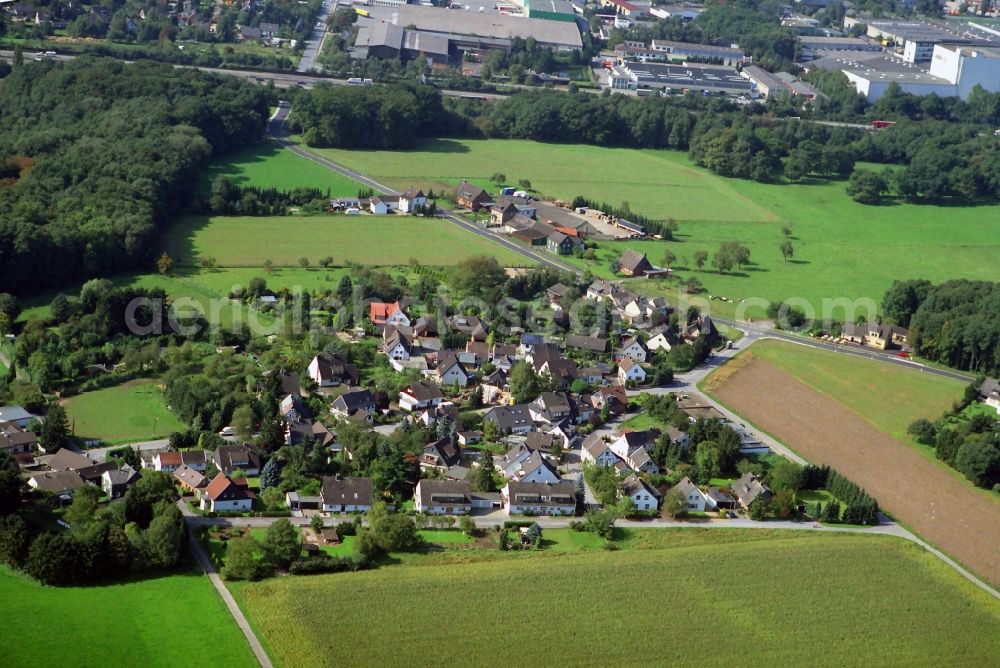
point(227, 598)
point(315, 42)
point(98, 454)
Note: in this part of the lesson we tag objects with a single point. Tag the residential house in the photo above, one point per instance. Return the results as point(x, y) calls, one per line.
point(530, 498)
point(331, 369)
point(536, 468)
point(222, 495)
point(190, 480)
point(382, 314)
point(662, 339)
point(420, 395)
point(592, 344)
point(116, 482)
point(749, 488)
point(514, 458)
point(561, 244)
point(558, 368)
point(59, 483)
point(469, 325)
point(632, 348)
point(612, 396)
point(989, 393)
point(629, 371)
point(644, 496)
point(693, 496)
point(471, 197)
point(451, 372)
point(552, 407)
point(501, 213)
point(411, 200)
point(635, 447)
point(16, 414)
point(634, 263)
point(443, 497)
point(515, 419)
point(545, 441)
point(15, 440)
point(346, 495)
point(601, 289)
point(599, 453)
point(397, 346)
point(167, 461)
point(354, 405)
point(441, 454)
point(378, 206)
point(229, 458)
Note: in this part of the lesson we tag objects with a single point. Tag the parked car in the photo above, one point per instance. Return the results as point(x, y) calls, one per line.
point(902, 353)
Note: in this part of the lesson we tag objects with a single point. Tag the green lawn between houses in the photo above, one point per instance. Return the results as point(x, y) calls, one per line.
point(842, 249)
point(122, 413)
point(167, 621)
point(705, 596)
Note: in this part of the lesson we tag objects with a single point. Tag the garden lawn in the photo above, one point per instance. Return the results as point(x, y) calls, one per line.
point(150, 623)
point(267, 165)
point(369, 240)
point(122, 413)
point(884, 601)
point(842, 249)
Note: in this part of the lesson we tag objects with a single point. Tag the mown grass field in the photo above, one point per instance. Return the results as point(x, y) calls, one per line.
point(159, 622)
point(888, 396)
point(378, 241)
point(122, 413)
point(784, 599)
point(267, 165)
point(841, 248)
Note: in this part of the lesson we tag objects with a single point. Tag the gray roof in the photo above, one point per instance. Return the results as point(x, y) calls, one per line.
point(58, 481)
point(633, 259)
point(593, 343)
point(456, 491)
point(543, 493)
point(487, 24)
point(633, 484)
point(424, 390)
point(347, 491)
point(14, 414)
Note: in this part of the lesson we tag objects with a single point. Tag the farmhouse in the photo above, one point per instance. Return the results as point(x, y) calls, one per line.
point(224, 495)
point(346, 495)
point(634, 263)
point(443, 497)
point(471, 197)
point(410, 200)
point(523, 498)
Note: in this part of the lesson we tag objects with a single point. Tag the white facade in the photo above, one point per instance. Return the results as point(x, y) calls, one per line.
point(345, 508)
point(541, 474)
point(408, 205)
point(453, 376)
point(398, 352)
point(643, 500)
point(237, 506)
point(635, 373)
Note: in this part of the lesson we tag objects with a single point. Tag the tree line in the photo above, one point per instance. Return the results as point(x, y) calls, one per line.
point(955, 323)
point(114, 152)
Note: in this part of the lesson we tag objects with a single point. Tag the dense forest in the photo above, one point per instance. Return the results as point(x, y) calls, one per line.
point(942, 144)
point(955, 323)
point(98, 154)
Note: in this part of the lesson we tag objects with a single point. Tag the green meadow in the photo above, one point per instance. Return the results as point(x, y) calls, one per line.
point(163, 622)
point(842, 249)
point(267, 165)
point(133, 411)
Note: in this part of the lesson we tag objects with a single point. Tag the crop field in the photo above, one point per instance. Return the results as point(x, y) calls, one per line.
point(377, 241)
point(824, 428)
point(267, 165)
point(133, 411)
point(152, 623)
point(883, 601)
point(842, 249)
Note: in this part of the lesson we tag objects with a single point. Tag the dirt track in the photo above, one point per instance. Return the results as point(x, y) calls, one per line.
point(933, 503)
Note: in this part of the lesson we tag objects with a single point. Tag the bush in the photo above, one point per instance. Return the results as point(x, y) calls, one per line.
point(923, 431)
point(326, 564)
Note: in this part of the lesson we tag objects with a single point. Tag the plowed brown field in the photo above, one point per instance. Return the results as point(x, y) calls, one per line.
point(937, 506)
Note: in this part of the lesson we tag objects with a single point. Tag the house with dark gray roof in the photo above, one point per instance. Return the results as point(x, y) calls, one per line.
point(515, 419)
point(532, 498)
point(443, 497)
point(634, 263)
point(749, 488)
point(346, 495)
point(420, 395)
point(358, 404)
